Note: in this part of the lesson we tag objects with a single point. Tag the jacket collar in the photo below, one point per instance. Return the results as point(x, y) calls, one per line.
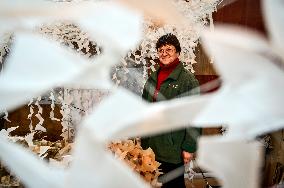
point(174, 75)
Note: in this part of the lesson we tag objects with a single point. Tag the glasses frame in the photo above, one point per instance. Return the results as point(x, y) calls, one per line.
point(167, 50)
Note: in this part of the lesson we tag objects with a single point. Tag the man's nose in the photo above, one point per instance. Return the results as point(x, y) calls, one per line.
point(164, 53)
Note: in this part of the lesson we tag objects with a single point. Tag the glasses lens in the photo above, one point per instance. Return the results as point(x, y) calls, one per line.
point(167, 50)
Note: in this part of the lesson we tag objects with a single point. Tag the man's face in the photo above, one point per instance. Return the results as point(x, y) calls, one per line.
point(167, 54)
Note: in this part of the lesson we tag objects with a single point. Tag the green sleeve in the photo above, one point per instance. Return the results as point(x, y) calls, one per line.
point(190, 86)
point(144, 93)
point(191, 134)
point(145, 142)
point(190, 140)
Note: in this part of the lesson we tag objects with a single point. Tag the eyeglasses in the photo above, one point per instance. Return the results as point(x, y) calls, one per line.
point(167, 50)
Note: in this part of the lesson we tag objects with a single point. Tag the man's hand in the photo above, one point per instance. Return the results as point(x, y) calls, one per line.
point(187, 157)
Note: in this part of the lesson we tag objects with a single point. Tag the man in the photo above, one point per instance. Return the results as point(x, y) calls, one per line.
point(171, 80)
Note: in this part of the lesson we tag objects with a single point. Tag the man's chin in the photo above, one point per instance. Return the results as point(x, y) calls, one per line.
point(165, 62)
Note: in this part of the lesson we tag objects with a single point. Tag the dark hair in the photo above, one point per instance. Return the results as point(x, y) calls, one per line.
point(170, 39)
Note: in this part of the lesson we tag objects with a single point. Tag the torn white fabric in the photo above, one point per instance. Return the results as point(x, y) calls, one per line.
point(235, 163)
point(6, 133)
point(251, 95)
point(32, 171)
point(124, 114)
point(274, 21)
point(26, 72)
point(93, 166)
point(30, 79)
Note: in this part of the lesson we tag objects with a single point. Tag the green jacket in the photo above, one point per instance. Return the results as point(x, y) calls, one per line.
point(168, 147)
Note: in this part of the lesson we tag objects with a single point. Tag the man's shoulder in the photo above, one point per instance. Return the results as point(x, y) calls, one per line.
point(188, 78)
point(187, 73)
